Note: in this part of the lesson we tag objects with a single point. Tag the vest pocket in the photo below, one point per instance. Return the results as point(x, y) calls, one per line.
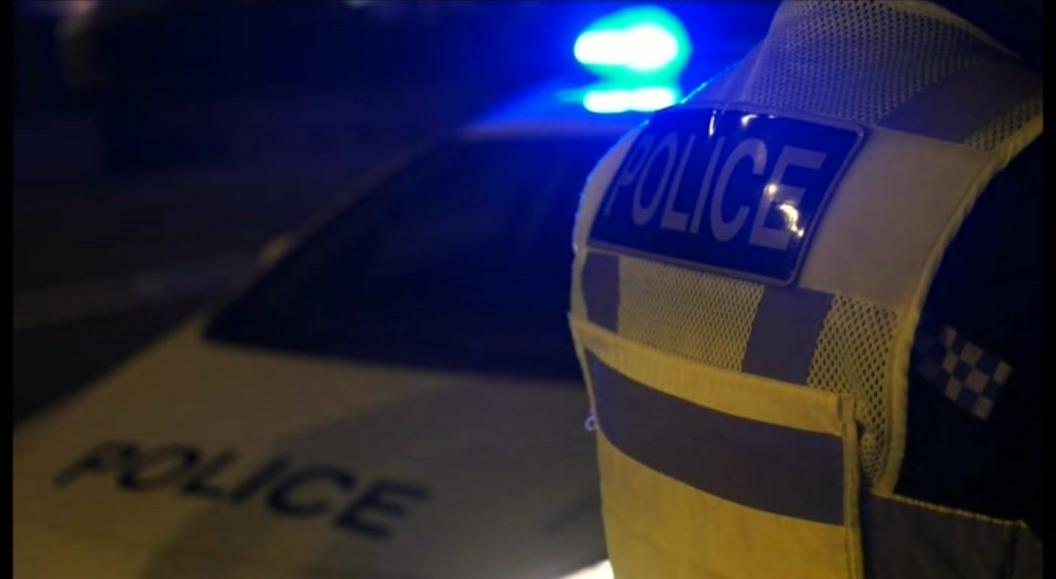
point(908, 538)
point(712, 473)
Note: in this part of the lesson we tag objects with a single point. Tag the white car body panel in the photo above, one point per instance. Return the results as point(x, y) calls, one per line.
point(509, 468)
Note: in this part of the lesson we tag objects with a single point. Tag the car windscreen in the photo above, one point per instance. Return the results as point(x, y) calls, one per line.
point(459, 260)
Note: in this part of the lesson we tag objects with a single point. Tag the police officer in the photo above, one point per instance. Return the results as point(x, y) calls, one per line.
point(806, 301)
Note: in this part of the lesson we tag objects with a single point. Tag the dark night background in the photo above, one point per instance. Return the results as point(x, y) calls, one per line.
point(159, 145)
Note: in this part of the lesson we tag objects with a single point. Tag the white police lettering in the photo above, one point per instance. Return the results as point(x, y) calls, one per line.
point(754, 149)
point(777, 238)
point(702, 194)
point(676, 220)
point(642, 214)
point(738, 196)
point(629, 174)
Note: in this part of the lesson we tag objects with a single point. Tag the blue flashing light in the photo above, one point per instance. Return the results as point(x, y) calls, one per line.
point(635, 44)
point(620, 99)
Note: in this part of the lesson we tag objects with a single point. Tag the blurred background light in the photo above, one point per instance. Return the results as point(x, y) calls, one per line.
point(636, 43)
point(619, 99)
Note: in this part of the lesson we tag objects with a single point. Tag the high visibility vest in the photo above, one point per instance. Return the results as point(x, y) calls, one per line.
point(749, 273)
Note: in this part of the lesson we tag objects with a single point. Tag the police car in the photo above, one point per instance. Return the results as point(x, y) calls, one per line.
point(395, 394)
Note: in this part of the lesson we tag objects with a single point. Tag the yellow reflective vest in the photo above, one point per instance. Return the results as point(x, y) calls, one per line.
point(749, 273)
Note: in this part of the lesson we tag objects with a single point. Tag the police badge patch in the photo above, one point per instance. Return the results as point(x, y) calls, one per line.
point(726, 190)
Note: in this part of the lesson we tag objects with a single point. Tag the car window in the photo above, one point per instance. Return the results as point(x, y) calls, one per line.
point(460, 260)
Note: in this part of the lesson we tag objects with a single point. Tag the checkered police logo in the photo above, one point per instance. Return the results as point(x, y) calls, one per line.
point(966, 374)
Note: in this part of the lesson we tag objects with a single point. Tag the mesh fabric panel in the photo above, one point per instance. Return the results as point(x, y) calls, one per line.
point(989, 135)
point(700, 316)
point(858, 60)
point(852, 357)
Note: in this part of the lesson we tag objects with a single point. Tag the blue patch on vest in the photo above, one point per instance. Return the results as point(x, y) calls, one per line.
point(725, 190)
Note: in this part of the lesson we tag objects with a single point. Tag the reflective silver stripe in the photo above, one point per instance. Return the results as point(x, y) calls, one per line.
point(954, 107)
point(785, 333)
point(773, 468)
point(601, 289)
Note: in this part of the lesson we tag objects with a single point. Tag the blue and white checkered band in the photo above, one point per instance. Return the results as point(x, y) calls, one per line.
point(965, 373)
